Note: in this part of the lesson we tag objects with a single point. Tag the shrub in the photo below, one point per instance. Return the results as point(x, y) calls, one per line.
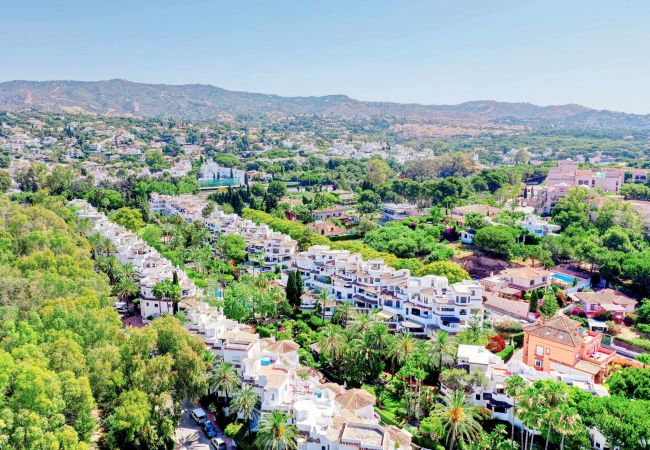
point(613, 327)
point(577, 311)
point(496, 344)
point(603, 315)
point(509, 326)
point(306, 358)
point(234, 430)
point(518, 340)
point(643, 328)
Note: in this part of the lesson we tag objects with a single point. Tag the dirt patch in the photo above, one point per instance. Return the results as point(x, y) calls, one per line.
point(480, 265)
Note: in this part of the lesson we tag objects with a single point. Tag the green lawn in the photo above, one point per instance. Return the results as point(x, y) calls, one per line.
point(388, 413)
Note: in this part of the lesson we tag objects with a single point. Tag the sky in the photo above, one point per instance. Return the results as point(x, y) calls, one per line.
point(595, 53)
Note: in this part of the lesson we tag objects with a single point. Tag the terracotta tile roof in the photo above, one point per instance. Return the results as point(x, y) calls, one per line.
point(526, 272)
point(284, 346)
point(606, 296)
point(559, 329)
point(355, 399)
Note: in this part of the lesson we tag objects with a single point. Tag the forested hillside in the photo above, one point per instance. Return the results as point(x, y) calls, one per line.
point(69, 373)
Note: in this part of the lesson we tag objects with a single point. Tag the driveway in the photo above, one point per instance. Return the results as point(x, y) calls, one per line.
point(188, 434)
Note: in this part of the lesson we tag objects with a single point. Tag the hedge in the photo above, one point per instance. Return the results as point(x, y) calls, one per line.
point(642, 344)
point(507, 352)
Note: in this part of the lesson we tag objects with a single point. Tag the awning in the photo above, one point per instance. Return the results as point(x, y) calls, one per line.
point(450, 319)
point(409, 324)
point(498, 404)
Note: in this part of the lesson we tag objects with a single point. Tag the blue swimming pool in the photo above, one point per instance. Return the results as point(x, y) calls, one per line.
point(564, 277)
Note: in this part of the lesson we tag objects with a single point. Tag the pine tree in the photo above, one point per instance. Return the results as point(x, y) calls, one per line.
point(550, 305)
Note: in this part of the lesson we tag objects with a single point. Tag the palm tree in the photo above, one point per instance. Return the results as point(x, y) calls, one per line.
point(331, 342)
point(530, 414)
point(361, 323)
point(566, 421)
point(126, 289)
point(379, 337)
point(261, 283)
point(224, 379)
point(459, 418)
point(442, 345)
point(246, 404)
point(125, 272)
point(275, 434)
point(323, 296)
point(514, 386)
point(343, 313)
point(403, 346)
point(553, 395)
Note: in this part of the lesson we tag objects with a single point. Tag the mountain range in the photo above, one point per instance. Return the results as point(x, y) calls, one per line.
point(204, 102)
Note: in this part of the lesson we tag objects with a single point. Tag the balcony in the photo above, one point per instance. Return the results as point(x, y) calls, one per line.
point(602, 356)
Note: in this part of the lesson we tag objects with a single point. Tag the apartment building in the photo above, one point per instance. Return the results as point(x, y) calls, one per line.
point(265, 246)
point(417, 305)
point(421, 304)
point(327, 415)
point(567, 175)
point(150, 267)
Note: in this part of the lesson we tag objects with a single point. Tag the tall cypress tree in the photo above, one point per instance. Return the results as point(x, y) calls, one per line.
point(290, 290)
point(300, 289)
point(534, 301)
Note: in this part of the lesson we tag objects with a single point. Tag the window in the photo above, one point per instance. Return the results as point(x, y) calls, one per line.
point(539, 350)
point(539, 363)
point(478, 396)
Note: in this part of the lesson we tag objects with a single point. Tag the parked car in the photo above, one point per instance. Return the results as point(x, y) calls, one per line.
point(198, 415)
point(121, 307)
point(218, 443)
point(208, 429)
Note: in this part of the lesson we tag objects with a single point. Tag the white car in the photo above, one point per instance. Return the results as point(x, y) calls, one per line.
point(218, 444)
point(121, 307)
point(198, 415)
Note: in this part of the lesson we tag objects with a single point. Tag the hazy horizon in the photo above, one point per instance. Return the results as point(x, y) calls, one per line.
point(323, 95)
point(432, 53)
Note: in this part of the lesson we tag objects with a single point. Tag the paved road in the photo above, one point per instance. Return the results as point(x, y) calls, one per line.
point(189, 436)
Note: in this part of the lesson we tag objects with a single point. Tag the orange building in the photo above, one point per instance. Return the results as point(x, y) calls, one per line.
point(563, 345)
